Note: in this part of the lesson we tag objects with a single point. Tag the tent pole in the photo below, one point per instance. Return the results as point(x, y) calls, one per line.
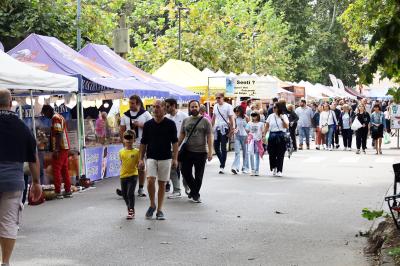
point(33, 115)
point(78, 119)
point(83, 132)
point(208, 95)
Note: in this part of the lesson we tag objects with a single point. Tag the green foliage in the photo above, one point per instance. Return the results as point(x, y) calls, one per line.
point(374, 28)
point(295, 39)
point(395, 93)
point(394, 251)
point(371, 214)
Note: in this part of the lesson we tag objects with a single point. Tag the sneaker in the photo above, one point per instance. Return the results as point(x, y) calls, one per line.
point(187, 191)
point(167, 187)
point(358, 152)
point(221, 171)
point(175, 195)
point(150, 212)
point(330, 148)
point(160, 215)
point(324, 146)
point(252, 173)
point(344, 149)
point(274, 172)
point(349, 149)
point(59, 196)
point(141, 193)
point(245, 172)
point(197, 200)
point(119, 192)
point(337, 146)
point(279, 174)
point(308, 147)
point(234, 171)
point(317, 148)
point(131, 215)
point(256, 174)
point(68, 195)
point(364, 152)
point(300, 148)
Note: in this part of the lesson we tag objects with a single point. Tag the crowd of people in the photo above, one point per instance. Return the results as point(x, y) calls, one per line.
point(170, 144)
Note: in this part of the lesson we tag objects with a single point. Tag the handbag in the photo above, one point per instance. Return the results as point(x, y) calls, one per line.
point(229, 127)
point(325, 128)
point(386, 138)
point(182, 151)
point(356, 124)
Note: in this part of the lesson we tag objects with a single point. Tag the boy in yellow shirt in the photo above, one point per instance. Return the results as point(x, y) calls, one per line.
point(129, 172)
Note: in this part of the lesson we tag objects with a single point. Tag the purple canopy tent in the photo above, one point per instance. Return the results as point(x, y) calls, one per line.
point(104, 56)
point(48, 53)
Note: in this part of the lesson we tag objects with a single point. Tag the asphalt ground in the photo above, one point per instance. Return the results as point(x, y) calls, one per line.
point(310, 216)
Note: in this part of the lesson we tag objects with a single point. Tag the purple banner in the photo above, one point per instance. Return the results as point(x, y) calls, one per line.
point(113, 161)
point(94, 162)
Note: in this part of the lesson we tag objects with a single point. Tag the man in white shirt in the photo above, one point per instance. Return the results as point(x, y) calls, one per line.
point(177, 116)
point(134, 119)
point(304, 124)
point(223, 124)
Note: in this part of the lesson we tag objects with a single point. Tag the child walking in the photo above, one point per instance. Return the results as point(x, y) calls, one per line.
point(129, 172)
point(255, 143)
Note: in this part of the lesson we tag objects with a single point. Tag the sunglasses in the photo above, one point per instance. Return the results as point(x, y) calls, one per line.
point(218, 98)
point(128, 137)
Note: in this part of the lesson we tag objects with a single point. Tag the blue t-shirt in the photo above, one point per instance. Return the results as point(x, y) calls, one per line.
point(11, 176)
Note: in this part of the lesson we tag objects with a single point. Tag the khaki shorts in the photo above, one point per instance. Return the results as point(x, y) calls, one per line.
point(159, 168)
point(10, 213)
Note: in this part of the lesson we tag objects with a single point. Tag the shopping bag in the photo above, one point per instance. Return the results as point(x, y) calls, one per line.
point(386, 138)
point(356, 125)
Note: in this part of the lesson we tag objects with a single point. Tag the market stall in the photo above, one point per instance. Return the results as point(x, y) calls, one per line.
point(94, 80)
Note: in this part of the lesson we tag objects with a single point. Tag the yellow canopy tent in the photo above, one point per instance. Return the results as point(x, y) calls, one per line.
point(186, 75)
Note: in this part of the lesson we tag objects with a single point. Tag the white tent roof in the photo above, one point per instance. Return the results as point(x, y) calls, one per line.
point(20, 76)
point(232, 75)
point(208, 72)
point(220, 73)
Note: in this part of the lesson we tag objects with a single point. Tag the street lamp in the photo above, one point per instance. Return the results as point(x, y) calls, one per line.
point(254, 51)
point(180, 8)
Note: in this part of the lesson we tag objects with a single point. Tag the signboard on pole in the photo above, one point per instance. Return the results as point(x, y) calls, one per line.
point(255, 88)
point(395, 116)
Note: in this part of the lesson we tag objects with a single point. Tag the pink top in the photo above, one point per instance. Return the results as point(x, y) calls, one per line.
point(205, 115)
point(100, 127)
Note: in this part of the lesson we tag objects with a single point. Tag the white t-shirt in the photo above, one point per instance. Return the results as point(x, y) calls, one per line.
point(178, 119)
point(225, 110)
point(256, 129)
point(146, 116)
point(275, 122)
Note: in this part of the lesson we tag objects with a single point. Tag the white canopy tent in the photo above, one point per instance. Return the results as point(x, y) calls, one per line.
point(19, 76)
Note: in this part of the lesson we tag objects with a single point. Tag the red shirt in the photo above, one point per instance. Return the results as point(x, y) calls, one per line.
point(59, 126)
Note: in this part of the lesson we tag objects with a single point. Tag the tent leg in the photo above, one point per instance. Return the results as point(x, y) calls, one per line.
point(78, 121)
point(33, 115)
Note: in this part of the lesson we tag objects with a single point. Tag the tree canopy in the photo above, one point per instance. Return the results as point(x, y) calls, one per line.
point(294, 39)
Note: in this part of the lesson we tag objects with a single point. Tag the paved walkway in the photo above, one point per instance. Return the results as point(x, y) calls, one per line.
point(308, 217)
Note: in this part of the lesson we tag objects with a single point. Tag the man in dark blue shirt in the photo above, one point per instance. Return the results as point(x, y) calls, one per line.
point(17, 145)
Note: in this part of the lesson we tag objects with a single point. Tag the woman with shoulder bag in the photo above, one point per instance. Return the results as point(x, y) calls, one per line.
point(327, 122)
point(277, 124)
point(362, 133)
point(378, 125)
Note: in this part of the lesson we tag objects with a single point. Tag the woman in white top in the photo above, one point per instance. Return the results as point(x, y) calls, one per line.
point(328, 119)
point(240, 141)
point(277, 123)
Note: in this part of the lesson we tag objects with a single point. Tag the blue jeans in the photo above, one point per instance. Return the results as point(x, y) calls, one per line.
point(329, 135)
point(304, 132)
point(240, 144)
point(255, 159)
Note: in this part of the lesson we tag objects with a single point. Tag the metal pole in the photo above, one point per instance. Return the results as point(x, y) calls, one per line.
point(208, 95)
point(254, 53)
point(78, 121)
point(33, 115)
point(398, 139)
point(78, 30)
point(179, 34)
